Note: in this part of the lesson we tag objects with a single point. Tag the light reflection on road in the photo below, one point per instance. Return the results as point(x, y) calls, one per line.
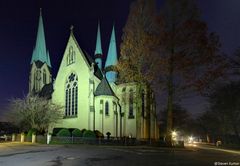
point(208, 147)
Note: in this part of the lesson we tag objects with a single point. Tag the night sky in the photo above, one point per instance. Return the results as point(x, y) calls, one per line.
point(18, 28)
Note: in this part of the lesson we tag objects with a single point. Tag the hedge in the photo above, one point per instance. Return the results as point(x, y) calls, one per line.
point(55, 131)
point(64, 133)
point(77, 133)
point(89, 134)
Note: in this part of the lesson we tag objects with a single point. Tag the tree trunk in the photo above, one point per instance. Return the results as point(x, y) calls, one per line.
point(169, 115)
point(170, 100)
point(235, 129)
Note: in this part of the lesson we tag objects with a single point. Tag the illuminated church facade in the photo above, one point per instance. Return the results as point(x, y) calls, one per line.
point(88, 91)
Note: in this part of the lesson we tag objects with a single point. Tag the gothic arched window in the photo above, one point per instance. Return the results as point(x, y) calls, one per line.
point(37, 78)
point(71, 95)
point(44, 77)
point(71, 56)
point(124, 95)
point(101, 106)
point(115, 108)
point(131, 104)
point(106, 108)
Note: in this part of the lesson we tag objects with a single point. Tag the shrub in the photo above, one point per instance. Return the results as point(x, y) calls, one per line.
point(71, 129)
point(83, 130)
point(31, 132)
point(55, 131)
point(89, 134)
point(64, 133)
point(77, 133)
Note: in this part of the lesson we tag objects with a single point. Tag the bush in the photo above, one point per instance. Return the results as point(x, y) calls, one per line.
point(56, 130)
point(64, 133)
point(83, 130)
point(89, 134)
point(71, 129)
point(31, 132)
point(77, 133)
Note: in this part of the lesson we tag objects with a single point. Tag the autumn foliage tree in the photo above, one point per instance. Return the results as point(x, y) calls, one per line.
point(135, 63)
point(138, 40)
point(172, 48)
point(189, 57)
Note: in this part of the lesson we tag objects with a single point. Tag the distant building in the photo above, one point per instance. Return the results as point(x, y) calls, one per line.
point(88, 90)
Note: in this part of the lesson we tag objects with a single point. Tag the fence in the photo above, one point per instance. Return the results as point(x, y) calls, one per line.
point(93, 141)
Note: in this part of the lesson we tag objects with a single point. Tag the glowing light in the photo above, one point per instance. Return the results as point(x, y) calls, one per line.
point(174, 135)
point(190, 139)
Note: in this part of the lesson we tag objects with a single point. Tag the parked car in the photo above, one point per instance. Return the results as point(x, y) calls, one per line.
point(5, 138)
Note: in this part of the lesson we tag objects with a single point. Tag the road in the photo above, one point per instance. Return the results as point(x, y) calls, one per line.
point(28, 154)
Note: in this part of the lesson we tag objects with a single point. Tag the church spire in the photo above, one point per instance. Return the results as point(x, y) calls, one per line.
point(111, 59)
point(98, 50)
point(40, 52)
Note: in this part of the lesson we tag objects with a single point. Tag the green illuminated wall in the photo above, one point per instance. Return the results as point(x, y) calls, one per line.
point(96, 118)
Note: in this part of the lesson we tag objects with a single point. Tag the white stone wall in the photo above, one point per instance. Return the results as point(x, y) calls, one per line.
point(32, 80)
point(82, 70)
point(107, 123)
point(85, 119)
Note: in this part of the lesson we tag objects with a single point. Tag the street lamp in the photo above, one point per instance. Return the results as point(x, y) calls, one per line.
point(190, 139)
point(174, 135)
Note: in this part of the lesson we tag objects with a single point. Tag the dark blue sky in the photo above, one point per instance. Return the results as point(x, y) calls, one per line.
point(222, 17)
point(18, 28)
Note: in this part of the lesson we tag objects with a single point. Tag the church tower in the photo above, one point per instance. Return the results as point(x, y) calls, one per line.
point(111, 61)
point(40, 73)
point(98, 50)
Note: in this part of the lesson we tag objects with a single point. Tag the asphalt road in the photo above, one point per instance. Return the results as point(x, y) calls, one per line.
point(27, 154)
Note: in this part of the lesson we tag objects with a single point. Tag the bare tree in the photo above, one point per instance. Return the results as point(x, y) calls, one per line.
point(34, 112)
point(189, 57)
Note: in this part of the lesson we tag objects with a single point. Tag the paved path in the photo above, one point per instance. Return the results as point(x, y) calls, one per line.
point(28, 154)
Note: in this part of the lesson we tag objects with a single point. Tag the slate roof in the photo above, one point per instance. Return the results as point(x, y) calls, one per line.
point(98, 49)
point(47, 91)
point(97, 71)
point(104, 89)
point(39, 64)
point(40, 52)
point(112, 51)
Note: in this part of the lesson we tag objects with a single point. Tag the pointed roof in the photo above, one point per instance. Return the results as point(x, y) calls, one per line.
point(112, 51)
point(48, 59)
point(98, 49)
point(40, 52)
point(47, 91)
point(87, 58)
point(104, 88)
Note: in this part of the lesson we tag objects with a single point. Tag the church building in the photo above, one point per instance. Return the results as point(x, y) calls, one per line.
point(88, 90)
